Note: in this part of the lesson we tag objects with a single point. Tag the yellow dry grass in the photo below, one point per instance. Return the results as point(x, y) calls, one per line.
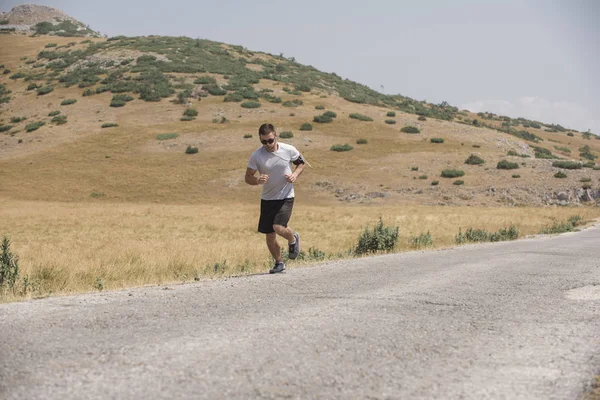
point(78, 247)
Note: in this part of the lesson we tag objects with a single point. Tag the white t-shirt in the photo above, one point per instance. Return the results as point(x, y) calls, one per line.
point(276, 165)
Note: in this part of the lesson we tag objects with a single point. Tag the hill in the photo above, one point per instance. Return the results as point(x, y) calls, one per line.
point(30, 18)
point(145, 84)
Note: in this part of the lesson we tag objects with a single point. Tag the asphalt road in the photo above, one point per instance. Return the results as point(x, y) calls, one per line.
point(513, 320)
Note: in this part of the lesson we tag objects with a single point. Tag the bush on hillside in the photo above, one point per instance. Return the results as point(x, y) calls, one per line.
point(474, 160)
point(191, 150)
point(452, 173)
point(360, 117)
point(390, 121)
point(567, 164)
point(59, 120)
point(330, 114)
point(362, 141)
point(410, 129)
point(67, 102)
point(560, 174)
point(322, 119)
point(306, 127)
point(190, 112)
point(34, 126)
point(505, 164)
point(250, 104)
point(391, 114)
point(109, 125)
point(437, 140)
point(44, 90)
point(341, 147)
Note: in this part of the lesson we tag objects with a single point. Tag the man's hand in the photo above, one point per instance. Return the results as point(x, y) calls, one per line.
point(291, 178)
point(262, 179)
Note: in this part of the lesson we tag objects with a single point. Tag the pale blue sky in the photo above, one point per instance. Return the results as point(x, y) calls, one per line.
point(531, 58)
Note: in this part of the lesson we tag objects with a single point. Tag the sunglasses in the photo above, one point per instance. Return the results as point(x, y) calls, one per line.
point(269, 141)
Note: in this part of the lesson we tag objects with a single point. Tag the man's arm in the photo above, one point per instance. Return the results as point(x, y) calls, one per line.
point(299, 168)
point(253, 180)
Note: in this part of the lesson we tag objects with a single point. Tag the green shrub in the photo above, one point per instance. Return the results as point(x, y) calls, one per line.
point(16, 120)
point(166, 136)
point(391, 114)
point(6, 128)
point(542, 153)
point(390, 121)
point(322, 119)
point(567, 164)
point(59, 119)
point(414, 168)
point(247, 135)
point(53, 113)
point(233, 97)
point(360, 117)
point(380, 238)
point(458, 182)
point(192, 118)
point(422, 118)
point(589, 164)
point(362, 141)
point(474, 160)
point(117, 103)
point(505, 164)
point(437, 140)
point(286, 135)
point(585, 179)
point(306, 127)
point(560, 175)
point(570, 134)
point(330, 114)
point(423, 240)
point(44, 90)
point(67, 102)
point(434, 183)
point(452, 173)
point(293, 103)
point(410, 129)
point(215, 90)
point(480, 235)
point(422, 176)
point(191, 150)
point(516, 176)
point(566, 226)
point(49, 45)
point(109, 125)
point(89, 92)
point(319, 107)
point(9, 266)
point(32, 86)
point(303, 87)
point(250, 104)
point(341, 147)
point(190, 112)
point(205, 80)
point(18, 75)
point(34, 126)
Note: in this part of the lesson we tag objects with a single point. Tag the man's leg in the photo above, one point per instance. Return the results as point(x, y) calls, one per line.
point(286, 233)
point(274, 247)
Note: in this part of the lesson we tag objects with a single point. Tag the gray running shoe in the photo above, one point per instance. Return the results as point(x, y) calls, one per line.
point(279, 267)
point(294, 249)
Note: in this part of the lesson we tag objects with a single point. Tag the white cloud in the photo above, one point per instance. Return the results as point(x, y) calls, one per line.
point(567, 114)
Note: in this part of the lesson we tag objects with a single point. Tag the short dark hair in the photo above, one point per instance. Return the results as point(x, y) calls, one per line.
point(265, 129)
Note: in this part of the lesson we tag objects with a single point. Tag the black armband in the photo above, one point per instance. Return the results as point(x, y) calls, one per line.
point(299, 161)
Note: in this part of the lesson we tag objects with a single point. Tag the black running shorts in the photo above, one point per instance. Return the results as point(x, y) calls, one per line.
point(274, 212)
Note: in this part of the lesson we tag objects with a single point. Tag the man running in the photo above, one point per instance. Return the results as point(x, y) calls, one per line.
point(273, 162)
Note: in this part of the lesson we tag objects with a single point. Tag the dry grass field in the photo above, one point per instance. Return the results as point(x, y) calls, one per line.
point(91, 208)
